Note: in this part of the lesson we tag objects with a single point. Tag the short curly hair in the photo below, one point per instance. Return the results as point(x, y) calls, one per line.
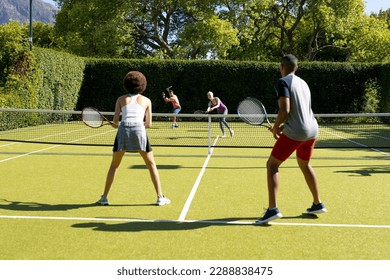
point(134, 82)
point(290, 62)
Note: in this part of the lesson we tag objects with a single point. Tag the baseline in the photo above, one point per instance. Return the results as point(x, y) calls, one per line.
point(212, 222)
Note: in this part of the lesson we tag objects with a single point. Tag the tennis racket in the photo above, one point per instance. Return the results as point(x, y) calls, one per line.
point(167, 89)
point(200, 112)
point(253, 112)
point(93, 118)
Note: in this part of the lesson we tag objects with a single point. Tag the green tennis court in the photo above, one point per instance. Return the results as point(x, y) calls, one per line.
point(48, 211)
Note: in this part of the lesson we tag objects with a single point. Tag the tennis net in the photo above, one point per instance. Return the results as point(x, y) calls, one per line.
point(66, 128)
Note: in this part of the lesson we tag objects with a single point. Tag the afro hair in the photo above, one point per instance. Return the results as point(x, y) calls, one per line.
point(134, 82)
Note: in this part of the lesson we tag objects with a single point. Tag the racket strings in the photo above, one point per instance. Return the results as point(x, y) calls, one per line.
point(92, 118)
point(251, 112)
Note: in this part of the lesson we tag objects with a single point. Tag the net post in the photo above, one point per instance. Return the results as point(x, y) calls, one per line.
point(209, 134)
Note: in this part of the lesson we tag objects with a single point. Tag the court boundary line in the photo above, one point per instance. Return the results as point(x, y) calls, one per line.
point(187, 205)
point(358, 143)
point(49, 148)
point(212, 222)
point(29, 153)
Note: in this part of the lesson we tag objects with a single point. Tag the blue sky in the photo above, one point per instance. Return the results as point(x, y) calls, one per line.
point(376, 5)
point(371, 5)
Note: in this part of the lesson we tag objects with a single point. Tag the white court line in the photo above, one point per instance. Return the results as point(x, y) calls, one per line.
point(357, 143)
point(29, 153)
point(211, 222)
point(44, 137)
point(9, 144)
point(373, 135)
point(57, 134)
point(49, 148)
point(196, 185)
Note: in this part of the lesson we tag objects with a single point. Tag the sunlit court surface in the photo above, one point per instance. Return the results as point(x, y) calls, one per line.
point(48, 209)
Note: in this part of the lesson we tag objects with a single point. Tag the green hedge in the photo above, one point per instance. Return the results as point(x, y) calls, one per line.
point(44, 79)
point(47, 79)
point(336, 87)
point(344, 87)
point(62, 76)
point(384, 84)
point(191, 80)
point(22, 84)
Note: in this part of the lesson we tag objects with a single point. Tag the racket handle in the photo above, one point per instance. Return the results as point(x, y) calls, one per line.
point(113, 124)
point(269, 125)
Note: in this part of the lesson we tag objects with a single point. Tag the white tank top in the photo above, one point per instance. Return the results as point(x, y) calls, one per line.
point(133, 112)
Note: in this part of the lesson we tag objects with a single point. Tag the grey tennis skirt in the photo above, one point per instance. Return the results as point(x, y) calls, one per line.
point(132, 137)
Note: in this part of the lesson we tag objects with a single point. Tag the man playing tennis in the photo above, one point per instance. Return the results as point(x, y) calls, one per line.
point(131, 135)
point(175, 106)
point(295, 129)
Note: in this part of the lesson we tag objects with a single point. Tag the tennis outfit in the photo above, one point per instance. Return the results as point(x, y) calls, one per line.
point(223, 110)
point(300, 128)
point(131, 135)
point(175, 103)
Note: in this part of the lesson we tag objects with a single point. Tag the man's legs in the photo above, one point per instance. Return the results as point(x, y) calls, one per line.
point(272, 212)
point(280, 152)
point(282, 149)
point(273, 180)
point(304, 153)
point(311, 179)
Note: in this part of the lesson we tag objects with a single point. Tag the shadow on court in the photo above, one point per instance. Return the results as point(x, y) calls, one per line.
point(139, 226)
point(304, 216)
point(36, 206)
point(368, 171)
point(175, 167)
point(164, 225)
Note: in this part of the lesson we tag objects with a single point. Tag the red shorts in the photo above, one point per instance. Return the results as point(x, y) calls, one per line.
point(285, 146)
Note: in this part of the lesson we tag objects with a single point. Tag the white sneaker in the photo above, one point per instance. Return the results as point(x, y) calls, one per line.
point(162, 200)
point(103, 200)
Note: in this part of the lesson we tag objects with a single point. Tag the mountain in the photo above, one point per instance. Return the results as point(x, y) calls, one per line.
point(19, 10)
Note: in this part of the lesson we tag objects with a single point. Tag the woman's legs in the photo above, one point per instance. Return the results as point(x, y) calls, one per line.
point(148, 158)
point(222, 122)
point(115, 162)
point(226, 124)
point(151, 165)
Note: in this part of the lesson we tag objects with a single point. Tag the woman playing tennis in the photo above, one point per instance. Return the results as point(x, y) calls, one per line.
point(131, 135)
point(216, 104)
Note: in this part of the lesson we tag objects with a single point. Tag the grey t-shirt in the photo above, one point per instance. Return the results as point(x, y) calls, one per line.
point(300, 124)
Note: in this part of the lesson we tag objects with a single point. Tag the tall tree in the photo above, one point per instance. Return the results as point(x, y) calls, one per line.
point(151, 28)
point(278, 19)
point(180, 28)
point(312, 29)
point(94, 28)
point(336, 30)
point(326, 26)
